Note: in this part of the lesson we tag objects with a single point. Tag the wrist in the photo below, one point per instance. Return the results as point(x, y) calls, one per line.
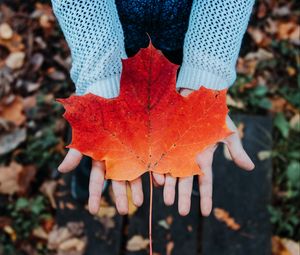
point(107, 87)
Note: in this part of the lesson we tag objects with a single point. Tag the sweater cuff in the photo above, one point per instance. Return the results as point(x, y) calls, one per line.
point(107, 88)
point(193, 78)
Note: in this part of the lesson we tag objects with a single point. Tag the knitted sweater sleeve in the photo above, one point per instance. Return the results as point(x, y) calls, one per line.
point(212, 43)
point(94, 34)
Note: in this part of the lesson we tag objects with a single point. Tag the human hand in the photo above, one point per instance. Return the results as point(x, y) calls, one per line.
point(97, 178)
point(204, 160)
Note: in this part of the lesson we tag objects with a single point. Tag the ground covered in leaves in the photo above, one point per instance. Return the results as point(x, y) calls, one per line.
point(34, 65)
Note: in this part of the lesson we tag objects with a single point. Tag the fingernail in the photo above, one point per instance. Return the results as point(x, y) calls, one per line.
point(138, 199)
point(122, 206)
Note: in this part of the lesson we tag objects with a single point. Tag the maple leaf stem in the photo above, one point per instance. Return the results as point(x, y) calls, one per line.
point(150, 213)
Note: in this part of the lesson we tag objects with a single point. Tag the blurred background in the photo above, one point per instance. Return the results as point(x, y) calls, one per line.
point(34, 70)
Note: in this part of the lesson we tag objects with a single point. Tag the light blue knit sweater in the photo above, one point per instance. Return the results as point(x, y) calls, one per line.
point(94, 34)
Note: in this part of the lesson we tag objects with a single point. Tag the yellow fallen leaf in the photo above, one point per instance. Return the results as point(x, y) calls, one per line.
point(223, 216)
point(137, 243)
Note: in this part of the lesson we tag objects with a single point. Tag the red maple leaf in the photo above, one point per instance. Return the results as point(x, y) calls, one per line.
point(150, 126)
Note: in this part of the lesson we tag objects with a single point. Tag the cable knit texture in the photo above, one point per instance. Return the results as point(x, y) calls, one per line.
point(94, 34)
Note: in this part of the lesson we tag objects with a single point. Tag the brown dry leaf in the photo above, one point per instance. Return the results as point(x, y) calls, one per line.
point(13, 111)
point(45, 15)
point(289, 31)
point(39, 232)
point(57, 236)
point(284, 246)
point(48, 189)
point(137, 243)
point(15, 44)
point(259, 36)
point(224, 216)
point(26, 177)
point(15, 60)
point(68, 240)
point(169, 248)
point(10, 140)
point(9, 178)
point(5, 31)
point(16, 178)
point(292, 246)
point(76, 244)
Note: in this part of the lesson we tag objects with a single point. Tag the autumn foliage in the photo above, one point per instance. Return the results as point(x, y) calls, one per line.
point(150, 126)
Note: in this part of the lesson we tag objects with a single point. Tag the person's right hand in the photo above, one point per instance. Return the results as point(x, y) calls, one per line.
point(97, 177)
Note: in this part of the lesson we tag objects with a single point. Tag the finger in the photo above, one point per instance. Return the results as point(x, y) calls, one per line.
point(235, 147)
point(71, 160)
point(159, 178)
point(96, 186)
point(205, 160)
point(237, 152)
point(169, 189)
point(119, 190)
point(185, 186)
point(137, 192)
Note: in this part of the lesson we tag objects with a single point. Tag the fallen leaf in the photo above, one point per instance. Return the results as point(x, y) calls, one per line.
point(295, 122)
point(15, 44)
point(56, 75)
point(224, 216)
point(164, 224)
point(39, 232)
point(14, 111)
point(10, 140)
point(131, 207)
point(67, 239)
point(5, 31)
point(15, 178)
point(289, 31)
point(259, 36)
point(141, 130)
point(169, 248)
point(15, 60)
point(137, 243)
point(11, 232)
point(48, 188)
point(107, 211)
point(283, 246)
point(263, 155)
point(76, 244)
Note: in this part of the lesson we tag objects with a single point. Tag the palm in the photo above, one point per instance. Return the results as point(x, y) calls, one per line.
point(185, 185)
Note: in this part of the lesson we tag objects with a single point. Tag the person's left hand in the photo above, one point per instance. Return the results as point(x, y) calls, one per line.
point(204, 160)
